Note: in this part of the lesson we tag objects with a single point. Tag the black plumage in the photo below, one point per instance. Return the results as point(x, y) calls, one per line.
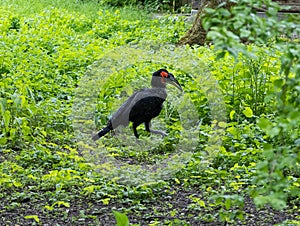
point(142, 106)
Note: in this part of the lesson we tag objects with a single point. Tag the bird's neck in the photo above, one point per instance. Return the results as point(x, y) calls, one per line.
point(157, 82)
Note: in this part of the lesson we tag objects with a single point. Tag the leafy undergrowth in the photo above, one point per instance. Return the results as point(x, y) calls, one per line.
point(44, 179)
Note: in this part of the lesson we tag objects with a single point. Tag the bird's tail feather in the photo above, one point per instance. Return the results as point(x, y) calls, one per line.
point(102, 132)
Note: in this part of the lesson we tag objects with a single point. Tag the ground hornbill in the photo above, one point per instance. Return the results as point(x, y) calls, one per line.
point(142, 106)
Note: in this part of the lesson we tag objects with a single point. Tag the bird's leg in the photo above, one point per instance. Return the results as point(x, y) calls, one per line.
point(134, 125)
point(147, 128)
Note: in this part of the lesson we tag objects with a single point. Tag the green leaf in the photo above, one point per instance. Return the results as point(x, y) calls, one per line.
point(232, 130)
point(61, 203)
point(222, 124)
point(274, 131)
point(2, 105)
point(264, 123)
point(201, 203)
point(3, 140)
point(6, 118)
point(220, 55)
point(245, 33)
point(211, 35)
point(227, 204)
point(122, 219)
point(210, 10)
point(225, 12)
point(35, 217)
point(231, 35)
point(231, 115)
point(50, 208)
point(278, 83)
point(248, 112)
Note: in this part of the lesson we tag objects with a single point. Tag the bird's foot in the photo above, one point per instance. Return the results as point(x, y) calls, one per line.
point(163, 134)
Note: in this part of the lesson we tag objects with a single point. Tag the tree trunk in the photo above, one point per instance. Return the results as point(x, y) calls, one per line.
point(197, 35)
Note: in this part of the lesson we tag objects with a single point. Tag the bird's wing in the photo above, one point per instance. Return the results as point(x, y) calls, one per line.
point(121, 116)
point(146, 109)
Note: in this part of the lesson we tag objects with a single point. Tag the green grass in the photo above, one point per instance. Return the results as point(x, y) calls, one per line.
point(89, 8)
point(52, 53)
point(32, 6)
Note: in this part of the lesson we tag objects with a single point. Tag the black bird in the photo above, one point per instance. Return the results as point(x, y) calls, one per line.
point(142, 106)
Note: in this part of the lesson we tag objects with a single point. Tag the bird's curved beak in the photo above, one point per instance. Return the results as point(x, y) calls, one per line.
point(172, 80)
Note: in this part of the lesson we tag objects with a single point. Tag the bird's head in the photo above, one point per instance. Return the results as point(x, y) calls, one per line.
point(161, 77)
